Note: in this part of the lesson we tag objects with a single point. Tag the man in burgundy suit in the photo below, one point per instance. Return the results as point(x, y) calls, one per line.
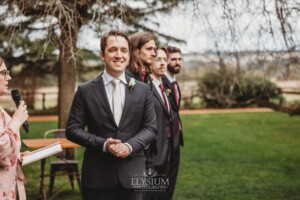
point(113, 117)
point(169, 80)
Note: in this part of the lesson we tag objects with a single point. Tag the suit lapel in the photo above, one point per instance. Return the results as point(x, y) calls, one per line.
point(157, 95)
point(169, 85)
point(100, 92)
point(172, 97)
point(167, 82)
point(179, 93)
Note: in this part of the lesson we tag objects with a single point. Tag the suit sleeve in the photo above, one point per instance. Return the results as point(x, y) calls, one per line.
point(148, 132)
point(76, 124)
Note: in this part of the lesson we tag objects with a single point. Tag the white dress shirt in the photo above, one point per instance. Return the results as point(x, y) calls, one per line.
point(170, 78)
point(107, 80)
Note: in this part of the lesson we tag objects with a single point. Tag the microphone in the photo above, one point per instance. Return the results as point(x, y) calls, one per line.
point(17, 98)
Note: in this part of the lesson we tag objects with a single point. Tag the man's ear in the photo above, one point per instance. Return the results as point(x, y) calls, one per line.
point(101, 55)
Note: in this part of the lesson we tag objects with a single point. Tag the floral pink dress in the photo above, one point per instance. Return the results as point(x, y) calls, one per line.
point(11, 174)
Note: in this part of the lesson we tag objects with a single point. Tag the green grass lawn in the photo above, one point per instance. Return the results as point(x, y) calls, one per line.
point(240, 156)
point(226, 156)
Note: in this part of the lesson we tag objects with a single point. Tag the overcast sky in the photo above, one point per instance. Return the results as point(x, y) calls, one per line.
point(177, 24)
point(204, 26)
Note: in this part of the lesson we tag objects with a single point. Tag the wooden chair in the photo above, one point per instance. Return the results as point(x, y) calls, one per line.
point(64, 164)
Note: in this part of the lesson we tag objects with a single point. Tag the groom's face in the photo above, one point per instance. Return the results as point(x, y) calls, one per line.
point(116, 55)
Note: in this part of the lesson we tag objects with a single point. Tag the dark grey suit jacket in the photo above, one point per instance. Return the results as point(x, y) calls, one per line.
point(137, 76)
point(177, 133)
point(91, 122)
point(164, 124)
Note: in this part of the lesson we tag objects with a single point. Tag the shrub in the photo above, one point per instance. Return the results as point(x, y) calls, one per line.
point(228, 89)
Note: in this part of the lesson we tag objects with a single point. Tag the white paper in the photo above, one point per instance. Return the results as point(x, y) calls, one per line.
point(42, 153)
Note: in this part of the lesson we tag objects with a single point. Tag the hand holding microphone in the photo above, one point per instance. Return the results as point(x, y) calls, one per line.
point(21, 114)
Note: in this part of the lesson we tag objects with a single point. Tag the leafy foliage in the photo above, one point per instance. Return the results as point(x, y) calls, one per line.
point(41, 37)
point(227, 89)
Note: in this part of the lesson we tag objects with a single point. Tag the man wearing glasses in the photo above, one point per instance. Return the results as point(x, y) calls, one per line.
point(161, 161)
point(169, 81)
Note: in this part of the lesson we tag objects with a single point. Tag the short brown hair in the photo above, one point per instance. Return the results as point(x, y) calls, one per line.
point(164, 49)
point(172, 49)
point(112, 32)
point(137, 41)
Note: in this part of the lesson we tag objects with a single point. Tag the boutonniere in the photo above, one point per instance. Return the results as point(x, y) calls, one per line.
point(168, 91)
point(131, 84)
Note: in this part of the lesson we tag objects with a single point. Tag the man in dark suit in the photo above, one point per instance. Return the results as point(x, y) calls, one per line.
point(143, 52)
point(113, 117)
point(161, 161)
point(169, 80)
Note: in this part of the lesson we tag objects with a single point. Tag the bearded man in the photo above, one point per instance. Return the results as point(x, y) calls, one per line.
point(169, 81)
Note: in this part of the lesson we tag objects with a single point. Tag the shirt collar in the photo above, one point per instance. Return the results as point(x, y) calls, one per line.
point(107, 78)
point(156, 82)
point(170, 78)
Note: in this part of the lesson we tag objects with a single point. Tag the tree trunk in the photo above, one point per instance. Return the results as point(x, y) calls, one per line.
point(70, 23)
point(67, 81)
point(67, 73)
point(67, 77)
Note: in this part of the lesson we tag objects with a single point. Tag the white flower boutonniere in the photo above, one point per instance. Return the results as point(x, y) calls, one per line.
point(131, 84)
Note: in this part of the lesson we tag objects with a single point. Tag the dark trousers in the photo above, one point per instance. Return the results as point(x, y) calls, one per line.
point(173, 172)
point(170, 169)
point(116, 193)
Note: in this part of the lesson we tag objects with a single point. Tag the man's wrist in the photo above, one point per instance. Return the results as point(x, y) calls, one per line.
point(129, 147)
point(104, 146)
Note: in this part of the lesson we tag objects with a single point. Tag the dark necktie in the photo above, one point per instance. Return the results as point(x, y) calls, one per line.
point(166, 104)
point(163, 95)
point(143, 76)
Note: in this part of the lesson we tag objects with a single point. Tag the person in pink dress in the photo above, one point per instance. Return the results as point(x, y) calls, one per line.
point(11, 174)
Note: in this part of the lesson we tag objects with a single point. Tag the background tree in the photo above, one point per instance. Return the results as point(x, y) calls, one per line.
point(59, 22)
point(231, 26)
point(267, 27)
point(251, 38)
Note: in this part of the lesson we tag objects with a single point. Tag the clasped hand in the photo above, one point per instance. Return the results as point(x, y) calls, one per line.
point(117, 148)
